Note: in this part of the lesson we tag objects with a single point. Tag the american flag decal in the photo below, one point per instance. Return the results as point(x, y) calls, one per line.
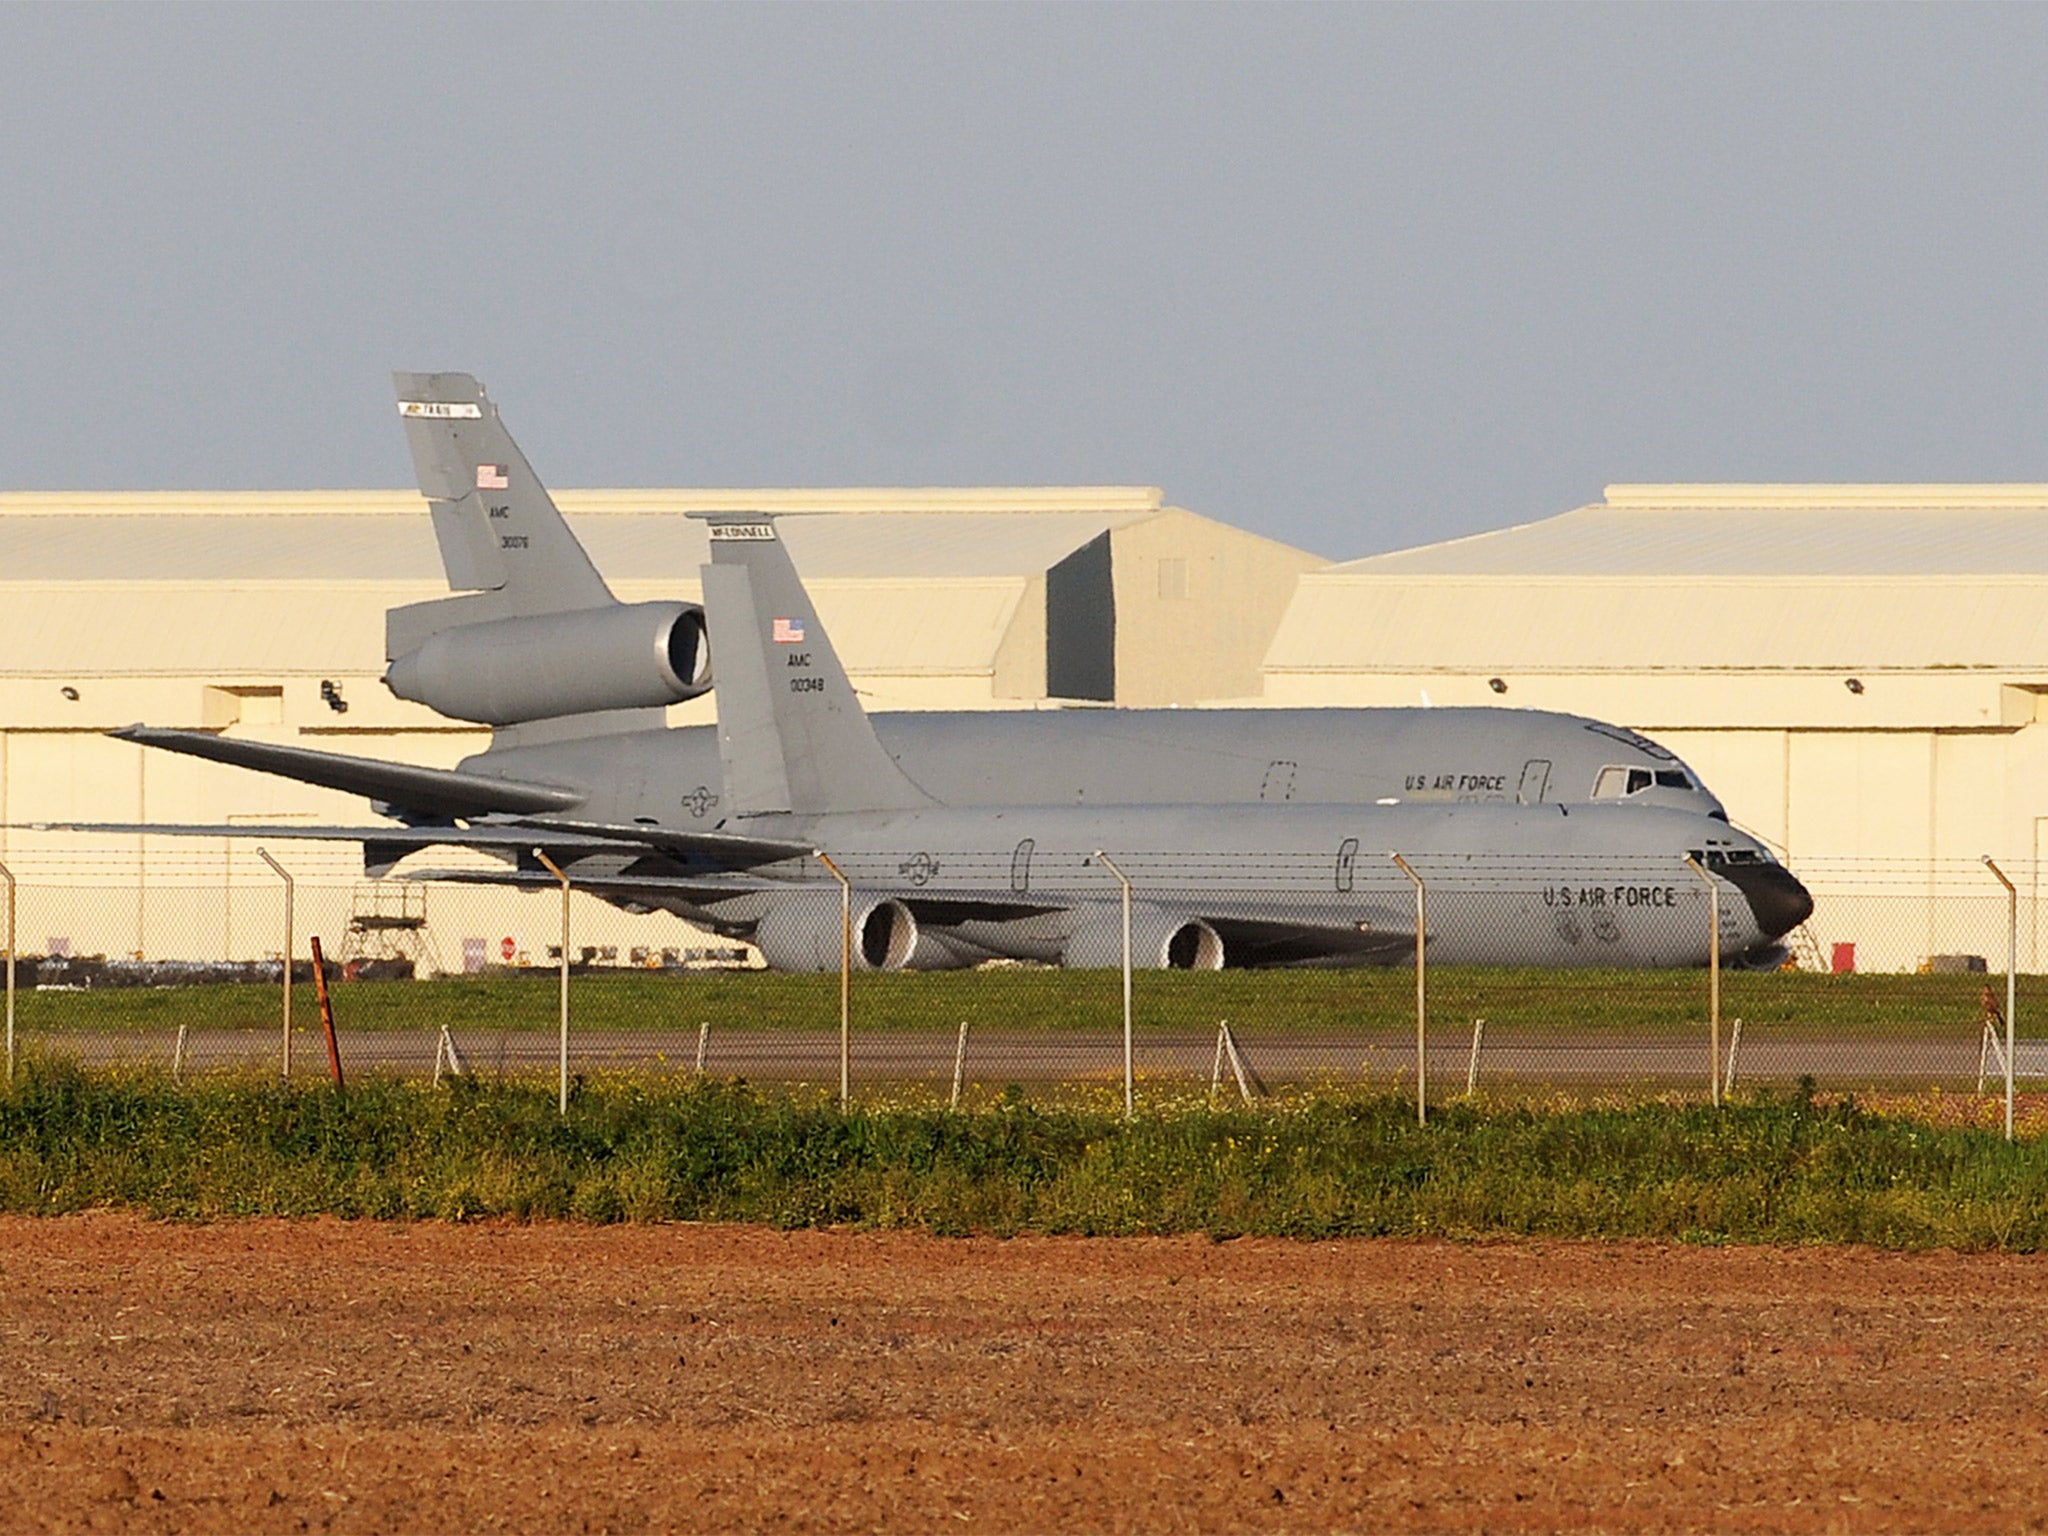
point(491, 477)
point(788, 632)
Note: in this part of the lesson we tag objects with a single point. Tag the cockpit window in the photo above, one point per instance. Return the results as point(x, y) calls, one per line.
point(1617, 781)
point(1723, 858)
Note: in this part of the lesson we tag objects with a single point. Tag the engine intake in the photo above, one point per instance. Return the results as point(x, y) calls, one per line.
point(507, 671)
point(802, 933)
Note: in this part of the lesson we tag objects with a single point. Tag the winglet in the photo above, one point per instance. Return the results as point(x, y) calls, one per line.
point(791, 735)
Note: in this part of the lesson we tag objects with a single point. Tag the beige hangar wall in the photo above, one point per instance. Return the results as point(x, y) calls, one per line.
point(1856, 670)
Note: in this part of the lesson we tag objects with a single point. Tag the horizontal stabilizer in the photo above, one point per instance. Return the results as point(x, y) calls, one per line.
point(431, 791)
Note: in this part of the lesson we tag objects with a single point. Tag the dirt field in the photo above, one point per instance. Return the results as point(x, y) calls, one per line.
point(275, 1376)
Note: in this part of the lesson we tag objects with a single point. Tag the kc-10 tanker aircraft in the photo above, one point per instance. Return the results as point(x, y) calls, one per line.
point(941, 882)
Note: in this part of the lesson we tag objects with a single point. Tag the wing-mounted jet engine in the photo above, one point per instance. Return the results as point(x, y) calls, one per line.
point(801, 932)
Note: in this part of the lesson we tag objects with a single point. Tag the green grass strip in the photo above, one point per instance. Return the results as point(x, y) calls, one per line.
point(1767, 1170)
point(1527, 1002)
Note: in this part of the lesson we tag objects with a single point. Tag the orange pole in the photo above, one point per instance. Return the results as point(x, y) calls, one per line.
point(326, 1012)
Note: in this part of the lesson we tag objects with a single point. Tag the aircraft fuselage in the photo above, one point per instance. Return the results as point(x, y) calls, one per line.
point(1163, 757)
point(1588, 885)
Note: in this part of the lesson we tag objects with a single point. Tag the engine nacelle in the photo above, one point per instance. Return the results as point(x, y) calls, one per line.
point(505, 671)
point(802, 933)
point(1160, 941)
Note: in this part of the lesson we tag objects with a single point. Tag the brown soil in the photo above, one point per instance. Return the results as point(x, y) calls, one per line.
point(290, 1376)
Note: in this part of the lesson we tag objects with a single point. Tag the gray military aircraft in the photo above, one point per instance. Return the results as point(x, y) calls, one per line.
point(1263, 884)
point(940, 886)
point(574, 682)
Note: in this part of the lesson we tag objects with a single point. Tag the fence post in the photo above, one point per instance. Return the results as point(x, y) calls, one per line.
point(1421, 990)
point(959, 1064)
point(845, 980)
point(1713, 979)
point(279, 870)
point(562, 1074)
point(326, 1012)
point(444, 1050)
point(1123, 880)
point(2012, 956)
point(1236, 1059)
point(1472, 1066)
point(8, 875)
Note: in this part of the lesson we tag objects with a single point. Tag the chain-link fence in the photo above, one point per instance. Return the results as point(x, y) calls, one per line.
point(966, 975)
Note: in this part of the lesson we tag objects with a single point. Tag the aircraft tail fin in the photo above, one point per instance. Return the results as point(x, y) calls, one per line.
point(791, 735)
point(504, 544)
point(500, 532)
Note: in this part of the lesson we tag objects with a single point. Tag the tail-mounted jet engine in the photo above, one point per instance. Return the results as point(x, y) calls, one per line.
point(1160, 941)
point(802, 933)
point(536, 667)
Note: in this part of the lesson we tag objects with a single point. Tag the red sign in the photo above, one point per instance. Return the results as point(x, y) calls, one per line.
point(508, 949)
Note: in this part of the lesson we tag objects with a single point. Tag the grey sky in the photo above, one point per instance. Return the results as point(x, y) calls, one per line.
point(1356, 278)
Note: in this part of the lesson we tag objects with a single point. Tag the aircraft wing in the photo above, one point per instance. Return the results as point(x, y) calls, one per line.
point(385, 845)
point(1265, 941)
point(496, 835)
point(735, 848)
point(434, 791)
point(705, 888)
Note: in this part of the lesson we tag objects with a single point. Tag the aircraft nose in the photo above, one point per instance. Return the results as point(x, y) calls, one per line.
point(1779, 902)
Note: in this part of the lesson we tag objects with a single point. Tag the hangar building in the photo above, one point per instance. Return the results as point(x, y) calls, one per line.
point(262, 614)
point(1857, 670)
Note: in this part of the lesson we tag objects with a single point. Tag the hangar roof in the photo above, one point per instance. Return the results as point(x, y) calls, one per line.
point(1757, 530)
point(386, 535)
point(1697, 578)
point(917, 584)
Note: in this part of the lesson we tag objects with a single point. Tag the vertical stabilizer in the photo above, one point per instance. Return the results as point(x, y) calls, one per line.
point(499, 530)
point(791, 734)
point(510, 555)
